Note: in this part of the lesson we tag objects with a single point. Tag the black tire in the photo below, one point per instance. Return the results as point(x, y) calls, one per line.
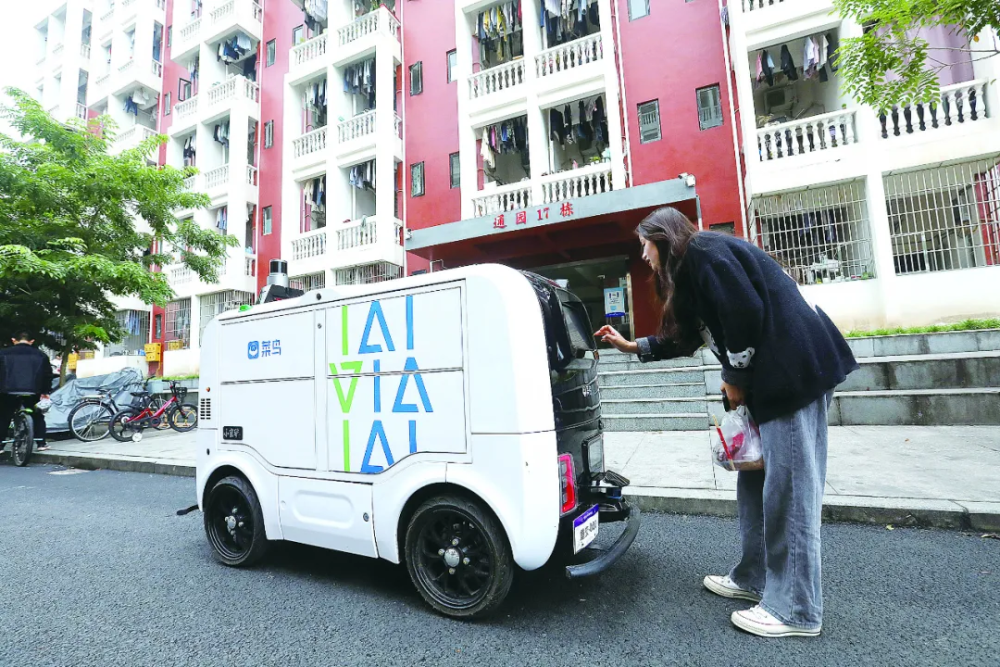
point(183, 418)
point(234, 523)
point(24, 440)
point(121, 431)
point(450, 527)
point(90, 421)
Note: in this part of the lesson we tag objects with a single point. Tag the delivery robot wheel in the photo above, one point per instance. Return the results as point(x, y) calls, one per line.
point(458, 557)
point(234, 523)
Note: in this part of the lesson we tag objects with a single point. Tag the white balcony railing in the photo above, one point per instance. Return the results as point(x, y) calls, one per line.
point(108, 15)
point(190, 183)
point(102, 80)
point(252, 175)
point(310, 244)
point(502, 199)
point(58, 49)
point(189, 33)
point(361, 125)
point(756, 5)
point(496, 79)
point(180, 275)
point(808, 135)
point(85, 51)
point(569, 56)
point(369, 24)
point(81, 111)
point(223, 11)
point(359, 235)
point(250, 266)
point(310, 50)
point(217, 178)
point(959, 104)
point(157, 69)
point(187, 108)
point(309, 143)
point(238, 87)
point(127, 66)
point(583, 182)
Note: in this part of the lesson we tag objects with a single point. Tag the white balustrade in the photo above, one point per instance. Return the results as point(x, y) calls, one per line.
point(223, 11)
point(187, 108)
point(309, 50)
point(252, 175)
point(127, 67)
point(251, 90)
point(250, 266)
point(217, 178)
point(358, 235)
point(807, 135)
point(58, 49)
point(357, 127)
point(190, 183)
point(180, 275)
point(157, 69)
point(102, 79)
point(496, 79)
point(756, 5)
point(569, 56)
point(310, 244)
point(85, 51)
point(309, 143)
point(229, 90)
point(190, 31)
point(108, 15)
point(81, 111)
point(369, 24)
point(503, 199)
point(576, 183)
point(957, 104)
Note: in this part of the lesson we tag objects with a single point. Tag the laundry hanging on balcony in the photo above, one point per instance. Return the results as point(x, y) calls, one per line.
point(585, 126)
point(360, 80)
point(235, 48)
point(362, 7)
point(222, 218)
point(362, 176)
point(567, 20)
point(188, 152)
point(818, 56)
point(133, 322)
point(250, 68)
point(499, 31)
point(509, 136)
point(131, 107)
point(315, 193)
point(221, 133)
point(316, 95)
point(315, 10)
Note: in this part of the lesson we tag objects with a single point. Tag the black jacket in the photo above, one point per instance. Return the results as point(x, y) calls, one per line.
point(767, 338)
point(25, 370)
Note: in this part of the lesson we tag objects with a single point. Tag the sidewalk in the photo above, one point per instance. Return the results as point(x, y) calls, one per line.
point(944, 476)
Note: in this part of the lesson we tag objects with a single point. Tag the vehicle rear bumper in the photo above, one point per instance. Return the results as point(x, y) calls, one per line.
point(621, 510)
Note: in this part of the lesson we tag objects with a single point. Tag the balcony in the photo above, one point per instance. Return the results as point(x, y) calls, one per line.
point(223, 97)
point(361, 35)
point(234, 16)
point(131, 138)
point(149, 73)
point(813, 135)
point(186, 40)
point(309, 149)
point(180, 275)
point(310, 55)
point(185, 115)
point(502, 199)
point(309, 244)
point(959, 104)
point(216, 180)
point(575, 64)
point(496, 80)
point(576, 183)
point(798, 16)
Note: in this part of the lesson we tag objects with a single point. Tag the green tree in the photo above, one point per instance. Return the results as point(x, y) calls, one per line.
point(79, 226)
point(891, 44)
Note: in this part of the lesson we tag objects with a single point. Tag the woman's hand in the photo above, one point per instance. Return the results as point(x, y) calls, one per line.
point(736, 395)
point(609, 335)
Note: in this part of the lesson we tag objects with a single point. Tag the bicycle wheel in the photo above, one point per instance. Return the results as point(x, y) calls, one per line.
point(121, 429)
point(24, 439)
point(154, 405)
point(90, 422)
point(183, 417)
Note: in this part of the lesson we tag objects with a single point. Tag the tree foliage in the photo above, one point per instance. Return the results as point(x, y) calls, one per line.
point(79, 226)
point(891, 65)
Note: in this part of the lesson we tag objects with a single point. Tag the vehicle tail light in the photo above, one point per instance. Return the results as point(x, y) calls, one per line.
point(567, 483)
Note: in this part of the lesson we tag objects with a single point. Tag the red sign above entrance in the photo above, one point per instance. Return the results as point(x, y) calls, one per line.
point(542, 212)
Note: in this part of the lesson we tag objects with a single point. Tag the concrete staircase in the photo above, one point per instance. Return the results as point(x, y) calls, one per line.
point(924, 380)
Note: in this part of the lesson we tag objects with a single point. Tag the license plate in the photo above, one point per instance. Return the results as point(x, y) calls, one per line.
point(585, 529)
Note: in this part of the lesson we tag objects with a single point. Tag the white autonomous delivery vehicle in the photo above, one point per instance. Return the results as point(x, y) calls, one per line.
point(451, 421)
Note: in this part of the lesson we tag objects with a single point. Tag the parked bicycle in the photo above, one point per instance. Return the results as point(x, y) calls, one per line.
point(128, 423)
point(90, 419)
point(21, 436)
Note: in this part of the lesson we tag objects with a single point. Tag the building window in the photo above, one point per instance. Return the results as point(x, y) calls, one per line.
point(308, 283)
point(170, 36)
point(945, 218)
point(709, 107)
point(179, 323)
point(724, 228)
point(368, 274)
point(416, 78)
point(637, 9)
point(455, 165)
point(272, 52)
point(818, 236)
point(158, 327)
point(211, 305)
point(166, 104)
point(135, 324)
point(268, 134)
point(266, 224)
point(417, 179)
point(649, 122)
point(183, 89)
point(452, 64)
point(298, 35)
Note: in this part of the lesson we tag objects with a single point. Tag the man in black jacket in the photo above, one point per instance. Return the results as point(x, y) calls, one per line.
point(25, 376)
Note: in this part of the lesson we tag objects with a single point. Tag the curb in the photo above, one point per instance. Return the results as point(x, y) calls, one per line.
point(903, 512)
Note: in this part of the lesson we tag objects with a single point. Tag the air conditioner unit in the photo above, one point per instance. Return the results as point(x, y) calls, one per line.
point(778, 100)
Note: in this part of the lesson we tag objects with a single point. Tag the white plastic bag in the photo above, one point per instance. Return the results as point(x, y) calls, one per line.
point(736, 442)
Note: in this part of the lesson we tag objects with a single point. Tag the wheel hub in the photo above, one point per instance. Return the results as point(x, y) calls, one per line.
point(452, 557)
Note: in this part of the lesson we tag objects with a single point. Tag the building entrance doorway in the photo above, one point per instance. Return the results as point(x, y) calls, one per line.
point(604, 286)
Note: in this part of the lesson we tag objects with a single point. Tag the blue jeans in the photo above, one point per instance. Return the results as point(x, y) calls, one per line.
point(780, 510)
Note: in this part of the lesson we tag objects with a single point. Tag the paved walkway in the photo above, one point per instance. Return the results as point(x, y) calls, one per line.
point(908, 475)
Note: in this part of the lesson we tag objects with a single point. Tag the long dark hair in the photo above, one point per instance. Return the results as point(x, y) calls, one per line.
point(671, 232)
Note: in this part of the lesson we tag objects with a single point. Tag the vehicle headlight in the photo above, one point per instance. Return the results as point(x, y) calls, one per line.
point(595, 454)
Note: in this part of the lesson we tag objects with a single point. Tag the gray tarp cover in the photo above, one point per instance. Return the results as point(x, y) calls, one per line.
point(66, 398)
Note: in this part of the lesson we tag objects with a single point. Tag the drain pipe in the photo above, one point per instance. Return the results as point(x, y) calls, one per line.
point(740, 178)
point(622, 102)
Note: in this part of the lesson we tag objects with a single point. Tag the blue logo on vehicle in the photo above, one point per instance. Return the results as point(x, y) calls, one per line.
point(258, 349)
point(253, 349)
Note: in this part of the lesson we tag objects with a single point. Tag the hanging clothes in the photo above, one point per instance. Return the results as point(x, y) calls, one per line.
point(221, 133)
point(486, 151)
point(557, 127)
point(222, 219)
point(767, 67)
point(250, 68)
point(831, 51)
point(131, 107)
point(499, 33)
point(316, 10)
point(810, 57)
point(788, 65)
point(362, 176)
point(359, 79)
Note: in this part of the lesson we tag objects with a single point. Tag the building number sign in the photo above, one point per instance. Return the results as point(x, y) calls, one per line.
point(521, 217)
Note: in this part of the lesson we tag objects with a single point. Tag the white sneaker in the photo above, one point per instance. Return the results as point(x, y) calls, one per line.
point(759, 622)
point(727, 588)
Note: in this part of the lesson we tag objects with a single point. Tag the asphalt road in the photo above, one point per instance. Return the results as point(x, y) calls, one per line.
point(98, 570)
